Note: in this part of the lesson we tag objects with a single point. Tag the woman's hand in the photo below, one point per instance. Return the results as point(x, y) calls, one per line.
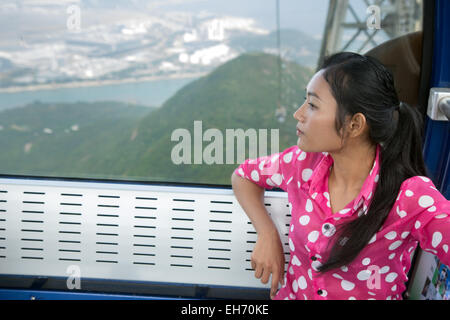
point(268, 258)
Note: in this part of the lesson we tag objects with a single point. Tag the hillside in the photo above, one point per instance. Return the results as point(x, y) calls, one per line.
point(239, 94)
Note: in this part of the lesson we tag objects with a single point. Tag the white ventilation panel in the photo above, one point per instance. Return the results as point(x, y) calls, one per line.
point(131, 232)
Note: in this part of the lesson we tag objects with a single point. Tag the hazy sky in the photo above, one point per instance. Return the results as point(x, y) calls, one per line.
point(305, 15)
point(22, 21)
point(22, 17)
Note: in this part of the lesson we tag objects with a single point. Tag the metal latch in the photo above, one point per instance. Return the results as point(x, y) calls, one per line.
point(439, 104)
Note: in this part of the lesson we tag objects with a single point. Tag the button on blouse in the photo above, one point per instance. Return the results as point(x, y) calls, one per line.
point(419, 216)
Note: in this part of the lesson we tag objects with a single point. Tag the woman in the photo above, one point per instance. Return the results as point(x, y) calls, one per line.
point(357, 187)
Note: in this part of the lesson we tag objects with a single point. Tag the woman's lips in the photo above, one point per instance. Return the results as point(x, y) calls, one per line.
point(299, 132)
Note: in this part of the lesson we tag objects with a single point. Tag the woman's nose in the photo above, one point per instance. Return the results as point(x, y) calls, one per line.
point(297, 114)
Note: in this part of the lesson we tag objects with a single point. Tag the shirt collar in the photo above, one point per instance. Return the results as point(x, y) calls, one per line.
point(316, 183)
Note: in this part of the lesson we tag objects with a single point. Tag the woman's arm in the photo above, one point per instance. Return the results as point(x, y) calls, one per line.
point(268, 256)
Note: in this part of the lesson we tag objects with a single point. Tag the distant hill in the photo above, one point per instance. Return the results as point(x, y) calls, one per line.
point(131, 142)
point(295, 45)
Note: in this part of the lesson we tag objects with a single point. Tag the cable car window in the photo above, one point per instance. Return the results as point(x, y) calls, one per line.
point(175, 91)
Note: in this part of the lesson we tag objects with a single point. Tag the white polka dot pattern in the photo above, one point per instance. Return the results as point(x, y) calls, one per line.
point(419, 216)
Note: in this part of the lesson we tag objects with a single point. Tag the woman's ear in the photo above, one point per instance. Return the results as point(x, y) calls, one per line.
point(358, 125)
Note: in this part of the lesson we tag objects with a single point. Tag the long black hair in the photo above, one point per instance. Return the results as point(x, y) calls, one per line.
point(362, 84)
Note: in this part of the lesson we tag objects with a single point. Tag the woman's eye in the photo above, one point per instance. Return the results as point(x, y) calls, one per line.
point(310, 104)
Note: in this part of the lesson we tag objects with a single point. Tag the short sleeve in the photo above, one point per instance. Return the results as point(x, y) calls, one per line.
point(432, 219)
point(271, 171)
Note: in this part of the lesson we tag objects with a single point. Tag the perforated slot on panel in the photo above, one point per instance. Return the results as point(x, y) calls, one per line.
point(107, 229)
point(286, 235)
point(182, 233)
point(220, 235)
point(250, 244)
point(31, 226)
point(3, 201)
point(144, 239)
point(69, 227)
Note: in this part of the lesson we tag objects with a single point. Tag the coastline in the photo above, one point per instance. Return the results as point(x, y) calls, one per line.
point(97, 83)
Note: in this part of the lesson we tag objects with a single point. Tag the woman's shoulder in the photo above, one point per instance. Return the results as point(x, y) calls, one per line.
point(420, 193)
point(298, 156)
point(418, 183)
point(294, 160)
point(280, 168)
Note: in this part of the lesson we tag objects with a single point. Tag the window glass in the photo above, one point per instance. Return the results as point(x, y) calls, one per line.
point(174, 91)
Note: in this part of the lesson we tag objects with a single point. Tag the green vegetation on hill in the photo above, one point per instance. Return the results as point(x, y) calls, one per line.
point(133, 143)
point(63, 139)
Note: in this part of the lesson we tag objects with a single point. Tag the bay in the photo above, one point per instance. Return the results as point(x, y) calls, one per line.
point(147, 93)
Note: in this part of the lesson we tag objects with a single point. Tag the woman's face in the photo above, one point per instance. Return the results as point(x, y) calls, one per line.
point(316, 118)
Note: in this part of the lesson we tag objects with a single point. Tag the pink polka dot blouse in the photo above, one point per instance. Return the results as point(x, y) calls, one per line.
point(420, 215)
